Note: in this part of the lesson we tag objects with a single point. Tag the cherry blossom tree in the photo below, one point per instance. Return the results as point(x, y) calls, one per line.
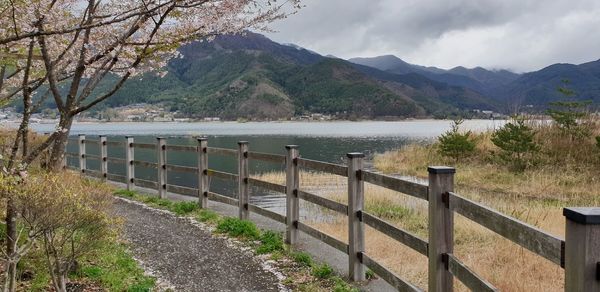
point(62, 49)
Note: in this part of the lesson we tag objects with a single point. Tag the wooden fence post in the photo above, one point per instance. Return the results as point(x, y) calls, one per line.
point(243, 188)
point(292, 204)
point(582, 249)
point(356, 228)
point(161, 150)
point(441, 227)
point(202, 172)
point(103, 157)
point(82, 158)
point(129, 167)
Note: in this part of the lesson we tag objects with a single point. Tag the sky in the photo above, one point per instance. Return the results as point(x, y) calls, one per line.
point(519, 35)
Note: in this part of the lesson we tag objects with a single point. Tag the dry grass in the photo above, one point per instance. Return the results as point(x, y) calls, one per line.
point(509, 267)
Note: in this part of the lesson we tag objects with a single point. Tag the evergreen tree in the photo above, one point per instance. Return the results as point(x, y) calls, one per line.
point(568, 113)
point(516, 141)
point(454, 144)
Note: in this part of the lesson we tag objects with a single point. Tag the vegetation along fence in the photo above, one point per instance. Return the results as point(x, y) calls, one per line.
point(578, 254)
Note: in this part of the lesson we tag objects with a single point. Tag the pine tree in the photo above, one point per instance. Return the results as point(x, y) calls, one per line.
point(517, 144)
point(568, 112)
point(454, 144)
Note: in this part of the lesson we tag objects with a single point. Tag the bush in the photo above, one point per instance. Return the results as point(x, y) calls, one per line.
point(238, 228)
point(454, 144)
point(516, 141)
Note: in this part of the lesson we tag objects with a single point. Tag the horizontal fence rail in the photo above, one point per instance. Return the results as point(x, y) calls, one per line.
point(574, 254)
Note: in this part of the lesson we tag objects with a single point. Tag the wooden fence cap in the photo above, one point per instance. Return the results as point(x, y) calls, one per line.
point(355, 155)
point(582, 215)
point(441, 170)
point(291, 146)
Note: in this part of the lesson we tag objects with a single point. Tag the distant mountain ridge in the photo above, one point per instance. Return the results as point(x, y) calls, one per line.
point(249, 76)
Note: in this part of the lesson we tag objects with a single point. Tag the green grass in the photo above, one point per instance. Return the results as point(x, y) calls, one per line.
point(238, 228)
point(322, 271)
point(182, 208)
point(270, 242)
point(115, 269)
point(302, 258)
point(207, 216)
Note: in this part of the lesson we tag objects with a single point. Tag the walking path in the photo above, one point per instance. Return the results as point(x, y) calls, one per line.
point(188, 256)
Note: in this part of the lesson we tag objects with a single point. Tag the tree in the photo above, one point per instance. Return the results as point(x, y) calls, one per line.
point(62, 49)
point(568, 112)
point(454, 144)
point(516, 141)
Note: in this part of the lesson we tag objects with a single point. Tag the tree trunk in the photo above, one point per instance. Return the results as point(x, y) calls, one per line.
point(11, 246)
point(57, 153)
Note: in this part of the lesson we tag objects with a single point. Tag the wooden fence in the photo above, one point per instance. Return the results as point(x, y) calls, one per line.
point(579, 254)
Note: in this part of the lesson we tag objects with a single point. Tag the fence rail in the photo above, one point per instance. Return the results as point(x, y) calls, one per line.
point(578, 254)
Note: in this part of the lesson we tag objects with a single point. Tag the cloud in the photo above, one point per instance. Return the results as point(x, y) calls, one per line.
point(521, 35)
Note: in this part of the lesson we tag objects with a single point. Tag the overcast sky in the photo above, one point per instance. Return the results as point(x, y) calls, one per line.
point(521, 35)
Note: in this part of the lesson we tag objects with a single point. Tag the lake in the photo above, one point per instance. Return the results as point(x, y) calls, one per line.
point(325, 141)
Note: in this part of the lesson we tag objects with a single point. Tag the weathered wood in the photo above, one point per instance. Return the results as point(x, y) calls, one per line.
point(222, 151)
point(222, 199)
point(115, 160)
point(521, 233)
point(115, 143)
point(222, 175)
point(181, 190)
point(144, 146)
point(387, 275)
point(356, 228)
point(582, 249)
point(92, 156)
point(243, 175)
point(329, 240)
point(396, 233)
point(181, 168)
point(323, 166)
point(399, 185)
point(82, 158)
point(466, 276)
point(280, 159)
point(323, 202)
point(267, 213)
point(117, 178)
point(145, 183)
point(145, 164)
point(103, 157)
point(181, 148)
point(292, 204)
point(161, 152)
point(267, 185)
point(129, 167)
point(203, 188)
point(441, 227)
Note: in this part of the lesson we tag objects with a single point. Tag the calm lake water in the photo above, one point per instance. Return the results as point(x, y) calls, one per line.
point(325, 141)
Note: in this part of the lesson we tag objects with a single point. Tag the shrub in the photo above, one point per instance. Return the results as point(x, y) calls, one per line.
point(269, 242)
point(70, 215)
point(454, 144)
point(516, 141)
point(238, 228)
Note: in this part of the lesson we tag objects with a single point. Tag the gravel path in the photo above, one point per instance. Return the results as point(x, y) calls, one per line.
point(188, 257)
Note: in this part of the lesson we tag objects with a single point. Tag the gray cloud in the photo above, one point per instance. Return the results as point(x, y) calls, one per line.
point(521, 35)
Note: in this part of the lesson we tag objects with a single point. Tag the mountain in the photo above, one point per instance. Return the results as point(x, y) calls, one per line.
point(250, 76)
point(478, 79)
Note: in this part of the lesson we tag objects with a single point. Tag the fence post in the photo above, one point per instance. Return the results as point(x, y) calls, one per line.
point(129, 167)
point(82, 158)
point(161, 150)
point(243, 189)
point(582, 249)
point(356, 228)
point(441, 227)
point(103, 157)
point(202, 172)
point(292, 183)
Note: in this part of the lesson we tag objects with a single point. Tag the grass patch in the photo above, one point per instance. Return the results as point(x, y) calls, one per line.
point(115, 269)
point(270, 242)
point(238, 228)
point(207, 216)
point(302, 258)
point(182, 208)
point(322, 271)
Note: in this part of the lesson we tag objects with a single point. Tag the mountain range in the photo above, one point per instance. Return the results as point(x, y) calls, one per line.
point(250, 76)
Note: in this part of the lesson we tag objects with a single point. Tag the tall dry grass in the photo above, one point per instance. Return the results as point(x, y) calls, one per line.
point(564, 175)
